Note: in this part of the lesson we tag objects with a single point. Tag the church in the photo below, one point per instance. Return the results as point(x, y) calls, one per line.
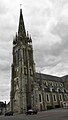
point(29, 89)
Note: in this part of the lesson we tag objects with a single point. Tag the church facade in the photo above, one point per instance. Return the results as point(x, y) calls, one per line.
point(31, 90)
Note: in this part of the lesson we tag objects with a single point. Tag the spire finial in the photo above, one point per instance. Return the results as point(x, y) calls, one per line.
point(27, 34)
point(20, 6)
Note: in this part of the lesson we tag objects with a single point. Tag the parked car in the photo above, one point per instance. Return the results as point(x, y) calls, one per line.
point(30, 112)
point(8, 113)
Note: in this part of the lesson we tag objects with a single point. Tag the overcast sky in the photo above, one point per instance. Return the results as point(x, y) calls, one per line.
point(47, 22)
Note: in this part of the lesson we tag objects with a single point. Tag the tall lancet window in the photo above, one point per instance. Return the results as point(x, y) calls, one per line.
point(24, 55)
point(17, 57)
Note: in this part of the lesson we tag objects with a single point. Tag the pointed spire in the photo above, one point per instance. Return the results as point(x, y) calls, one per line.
point(16, 36)
point(30, 39)
point(27, 35)
point(21, 28)
point(15, 39)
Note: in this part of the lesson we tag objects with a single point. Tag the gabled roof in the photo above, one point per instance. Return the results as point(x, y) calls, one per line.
point(48, 77)
point(65, 78)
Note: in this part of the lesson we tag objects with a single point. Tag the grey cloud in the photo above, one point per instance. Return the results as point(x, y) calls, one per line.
point(4, 94)
point(58, 65)
point(60, 1)
point(3, 9)
point(55, 56)
point(62, 31)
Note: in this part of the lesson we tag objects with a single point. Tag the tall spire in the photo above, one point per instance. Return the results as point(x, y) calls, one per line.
point(21, 28)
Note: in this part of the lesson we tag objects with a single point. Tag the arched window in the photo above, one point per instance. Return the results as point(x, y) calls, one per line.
point(47, 98)
point(25, 71)
point(40, 97)
point(54, 98)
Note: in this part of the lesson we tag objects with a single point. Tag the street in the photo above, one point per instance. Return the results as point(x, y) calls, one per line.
point(55, 114)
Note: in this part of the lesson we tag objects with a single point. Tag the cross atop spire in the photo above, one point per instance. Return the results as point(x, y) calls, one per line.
point(21, 28)
point(20, 6)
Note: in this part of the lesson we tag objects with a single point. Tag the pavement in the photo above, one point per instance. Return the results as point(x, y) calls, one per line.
point(54, 114)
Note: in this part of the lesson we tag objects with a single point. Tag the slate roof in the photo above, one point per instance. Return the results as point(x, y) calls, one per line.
point(65, 78)
point(48, 77)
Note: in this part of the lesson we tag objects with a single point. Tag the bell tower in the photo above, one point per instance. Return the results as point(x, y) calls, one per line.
point(23, 70)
